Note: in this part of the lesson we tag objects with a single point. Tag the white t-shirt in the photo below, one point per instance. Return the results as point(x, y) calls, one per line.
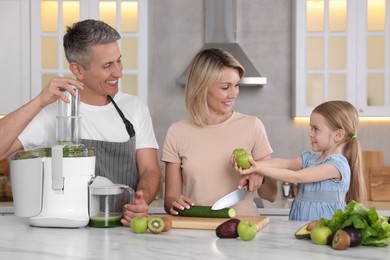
point(97, 123)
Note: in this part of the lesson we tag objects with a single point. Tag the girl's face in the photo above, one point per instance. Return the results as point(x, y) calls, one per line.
point(221, 96)
point(322, 137)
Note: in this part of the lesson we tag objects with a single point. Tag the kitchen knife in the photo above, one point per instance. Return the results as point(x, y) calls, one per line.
point(230, 199)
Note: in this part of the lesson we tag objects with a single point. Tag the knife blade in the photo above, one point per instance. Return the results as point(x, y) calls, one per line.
point(229, 199)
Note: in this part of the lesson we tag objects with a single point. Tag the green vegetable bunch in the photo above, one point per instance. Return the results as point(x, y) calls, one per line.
point(68, 151)
point(374, 227)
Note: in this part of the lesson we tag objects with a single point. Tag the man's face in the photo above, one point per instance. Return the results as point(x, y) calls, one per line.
point(101, 77)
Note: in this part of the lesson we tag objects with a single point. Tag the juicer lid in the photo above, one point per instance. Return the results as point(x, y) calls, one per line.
point(114, 189)
point(103, 186)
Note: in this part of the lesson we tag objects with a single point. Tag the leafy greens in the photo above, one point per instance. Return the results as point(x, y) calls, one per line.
point(374, 227)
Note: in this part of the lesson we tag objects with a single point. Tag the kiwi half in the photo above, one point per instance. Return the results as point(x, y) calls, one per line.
point(156, 225)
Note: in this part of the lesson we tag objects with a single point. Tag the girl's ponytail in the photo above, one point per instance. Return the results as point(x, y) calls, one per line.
point(357, 189)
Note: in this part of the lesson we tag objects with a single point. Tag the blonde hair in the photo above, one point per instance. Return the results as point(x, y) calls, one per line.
point(343, 115)
point(205, 70)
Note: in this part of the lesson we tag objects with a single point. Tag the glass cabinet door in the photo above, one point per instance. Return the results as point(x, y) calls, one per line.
point(322, 52)
point(49, 21)
point(373, 76)
point(341, 55)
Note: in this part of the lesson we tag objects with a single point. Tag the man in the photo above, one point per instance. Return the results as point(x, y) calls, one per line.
point(111, 121)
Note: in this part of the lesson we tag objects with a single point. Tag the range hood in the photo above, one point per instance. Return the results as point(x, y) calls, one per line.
point(220, 32)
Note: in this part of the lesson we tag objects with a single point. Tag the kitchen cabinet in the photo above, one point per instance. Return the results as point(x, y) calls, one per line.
point(32, 52)
point(14, 55)
point(342, 52)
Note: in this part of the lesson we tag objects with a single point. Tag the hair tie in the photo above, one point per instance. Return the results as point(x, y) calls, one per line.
point(354, 136)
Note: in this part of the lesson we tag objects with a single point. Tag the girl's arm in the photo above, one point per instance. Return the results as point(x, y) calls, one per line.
point(269, 188)
point(282, 163)
point(312, 174)
point(173, 189)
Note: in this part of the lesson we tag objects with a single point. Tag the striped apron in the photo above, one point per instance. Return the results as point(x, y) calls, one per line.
point(116, 160)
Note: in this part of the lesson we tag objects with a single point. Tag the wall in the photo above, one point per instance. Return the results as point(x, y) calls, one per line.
point(265, 32)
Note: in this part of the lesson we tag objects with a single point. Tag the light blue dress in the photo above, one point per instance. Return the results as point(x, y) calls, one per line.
point(317, 200)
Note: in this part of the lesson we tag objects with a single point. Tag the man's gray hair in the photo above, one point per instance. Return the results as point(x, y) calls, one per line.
point(81, 36)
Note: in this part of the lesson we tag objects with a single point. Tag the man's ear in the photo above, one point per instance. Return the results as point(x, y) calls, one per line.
point(77, 70)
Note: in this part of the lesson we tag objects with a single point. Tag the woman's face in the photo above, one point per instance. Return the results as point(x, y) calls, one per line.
point(221, 96)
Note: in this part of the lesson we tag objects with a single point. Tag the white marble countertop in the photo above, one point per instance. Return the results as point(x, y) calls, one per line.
point(276, 240)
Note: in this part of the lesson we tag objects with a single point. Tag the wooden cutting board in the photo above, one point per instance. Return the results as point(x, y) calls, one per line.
point(212, 223)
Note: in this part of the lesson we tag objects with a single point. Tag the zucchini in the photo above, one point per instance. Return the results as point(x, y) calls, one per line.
point(206, 212)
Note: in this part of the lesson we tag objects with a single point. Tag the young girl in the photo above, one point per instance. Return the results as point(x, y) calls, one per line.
point(330, 179)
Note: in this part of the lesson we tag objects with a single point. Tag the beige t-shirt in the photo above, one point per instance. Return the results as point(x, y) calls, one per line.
point(204, 154)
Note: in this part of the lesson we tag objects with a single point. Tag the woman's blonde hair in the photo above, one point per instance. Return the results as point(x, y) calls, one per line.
point(205, 70)
point(343, 115)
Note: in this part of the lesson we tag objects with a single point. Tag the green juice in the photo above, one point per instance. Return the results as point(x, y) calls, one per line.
point(102, 221)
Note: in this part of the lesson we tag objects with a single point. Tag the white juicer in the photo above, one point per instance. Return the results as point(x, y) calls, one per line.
point(52, 191)
point(50, 185)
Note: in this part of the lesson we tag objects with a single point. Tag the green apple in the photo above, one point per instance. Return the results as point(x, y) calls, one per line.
point(239, 151)
point(319, 235)
point(246, 230)
point(139, 225)
point(243, 161)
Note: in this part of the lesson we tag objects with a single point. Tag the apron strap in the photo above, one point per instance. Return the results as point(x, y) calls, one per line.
point(128, 124)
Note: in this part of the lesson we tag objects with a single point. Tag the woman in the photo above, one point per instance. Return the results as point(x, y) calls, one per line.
point(197, 150)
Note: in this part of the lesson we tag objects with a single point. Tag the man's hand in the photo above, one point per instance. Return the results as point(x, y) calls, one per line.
point(138, 208)
point(54, 90)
